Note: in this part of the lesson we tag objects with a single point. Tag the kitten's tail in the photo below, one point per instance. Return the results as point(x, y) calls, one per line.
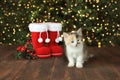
point(91, 55)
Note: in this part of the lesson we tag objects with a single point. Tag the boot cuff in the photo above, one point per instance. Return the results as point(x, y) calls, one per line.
point(37, 27)
point(54, 26)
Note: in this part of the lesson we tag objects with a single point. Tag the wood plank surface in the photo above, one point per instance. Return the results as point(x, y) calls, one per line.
point(105, 65)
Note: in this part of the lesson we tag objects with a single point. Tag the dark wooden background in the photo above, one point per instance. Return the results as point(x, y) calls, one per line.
point(104, 66)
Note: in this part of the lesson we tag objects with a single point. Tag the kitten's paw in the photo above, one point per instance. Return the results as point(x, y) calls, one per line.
point(70, 64)
point(79, 65)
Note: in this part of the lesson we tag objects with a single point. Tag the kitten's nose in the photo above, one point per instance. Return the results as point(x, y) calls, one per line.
point(76, 45)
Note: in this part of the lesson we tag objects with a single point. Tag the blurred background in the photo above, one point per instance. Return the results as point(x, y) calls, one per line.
point(99, 19)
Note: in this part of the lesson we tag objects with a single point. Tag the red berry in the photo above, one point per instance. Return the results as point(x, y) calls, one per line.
point(28, 51)
point(19, 48)
point(23, 49)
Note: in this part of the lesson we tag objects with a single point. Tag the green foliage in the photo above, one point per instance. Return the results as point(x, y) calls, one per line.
point(100, 21)
point(26, 51)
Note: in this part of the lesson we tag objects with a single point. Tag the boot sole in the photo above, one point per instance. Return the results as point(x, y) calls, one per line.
point(43, 56)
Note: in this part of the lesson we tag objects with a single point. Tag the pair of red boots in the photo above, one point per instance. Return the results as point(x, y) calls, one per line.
point(45, 39)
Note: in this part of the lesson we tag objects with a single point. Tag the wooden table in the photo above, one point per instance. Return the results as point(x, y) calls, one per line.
point(104, 66)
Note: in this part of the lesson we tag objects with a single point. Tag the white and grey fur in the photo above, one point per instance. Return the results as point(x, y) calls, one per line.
point(75, 48)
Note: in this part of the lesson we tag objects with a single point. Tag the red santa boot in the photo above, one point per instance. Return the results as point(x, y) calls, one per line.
point(39, 38)
point(54, 36)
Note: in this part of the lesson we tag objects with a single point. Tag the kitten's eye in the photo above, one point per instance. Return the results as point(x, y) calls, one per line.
point(78, 40)
point(72, 41)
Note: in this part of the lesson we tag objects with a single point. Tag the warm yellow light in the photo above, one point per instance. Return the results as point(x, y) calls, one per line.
point(99, 44)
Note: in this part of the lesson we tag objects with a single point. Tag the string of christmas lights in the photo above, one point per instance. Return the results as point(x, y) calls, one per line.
point(100, 20)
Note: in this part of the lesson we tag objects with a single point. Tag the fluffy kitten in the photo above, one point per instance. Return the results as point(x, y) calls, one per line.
point(75, 48)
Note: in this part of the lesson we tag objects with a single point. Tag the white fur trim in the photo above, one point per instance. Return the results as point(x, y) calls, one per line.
point(54, 26)
point(38, 27)
point(60, 38)
point(40, 40)
point(47, 40)
point(57, 40)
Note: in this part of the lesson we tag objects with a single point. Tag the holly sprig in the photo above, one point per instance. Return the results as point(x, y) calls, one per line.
point(25, 51)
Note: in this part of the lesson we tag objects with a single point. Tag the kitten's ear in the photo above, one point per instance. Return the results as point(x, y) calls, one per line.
point(79, 31)
point(65, 35)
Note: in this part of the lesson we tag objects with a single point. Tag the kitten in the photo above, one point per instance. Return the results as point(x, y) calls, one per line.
point(75, 48)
